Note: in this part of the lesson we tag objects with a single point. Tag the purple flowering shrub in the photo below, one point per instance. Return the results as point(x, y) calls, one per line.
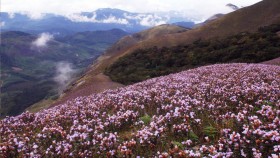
point(224, 110)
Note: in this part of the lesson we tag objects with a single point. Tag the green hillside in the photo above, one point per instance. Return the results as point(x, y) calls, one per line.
point(246, 47)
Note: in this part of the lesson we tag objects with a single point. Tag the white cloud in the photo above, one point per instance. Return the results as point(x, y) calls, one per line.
point(11, 15)
point(152, 20)
point(112, 19)
point(64, 75)
point(142, 19)
point(80, 18)
point(2, 23)
point(42, 40)
point(34, 15)
point(148, 19)
point(76, 17)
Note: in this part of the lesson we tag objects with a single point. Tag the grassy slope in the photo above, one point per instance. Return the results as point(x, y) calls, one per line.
point(246, 19)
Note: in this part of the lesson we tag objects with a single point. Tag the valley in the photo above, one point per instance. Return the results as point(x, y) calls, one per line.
point(28, 71)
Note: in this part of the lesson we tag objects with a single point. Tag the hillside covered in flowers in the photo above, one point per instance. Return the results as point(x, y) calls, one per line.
point(223, 110)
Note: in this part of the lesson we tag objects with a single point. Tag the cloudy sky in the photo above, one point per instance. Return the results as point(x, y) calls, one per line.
point(202, 8)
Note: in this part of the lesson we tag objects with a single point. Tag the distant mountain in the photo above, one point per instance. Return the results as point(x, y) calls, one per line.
point(101, 19)
point(29, 64)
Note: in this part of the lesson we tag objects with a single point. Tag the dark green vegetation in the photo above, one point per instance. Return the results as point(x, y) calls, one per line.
point(246, 47)
point(27, 72)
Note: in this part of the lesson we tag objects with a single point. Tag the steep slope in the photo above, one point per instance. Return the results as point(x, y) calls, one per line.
point(229, 110)
point(246, 19)
point(94, 77)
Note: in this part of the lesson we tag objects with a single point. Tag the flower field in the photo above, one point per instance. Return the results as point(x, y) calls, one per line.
point(223, 110)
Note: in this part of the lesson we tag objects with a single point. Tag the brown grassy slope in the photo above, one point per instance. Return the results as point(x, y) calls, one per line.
point(128, 42)
point(250, 18)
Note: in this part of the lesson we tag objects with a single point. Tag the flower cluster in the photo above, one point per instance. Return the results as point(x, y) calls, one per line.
point(223, 110)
